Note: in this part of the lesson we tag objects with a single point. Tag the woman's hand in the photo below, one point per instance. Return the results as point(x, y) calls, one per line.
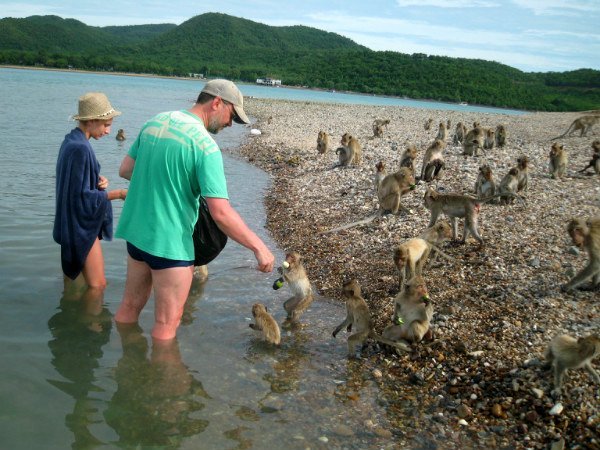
point(102, 182)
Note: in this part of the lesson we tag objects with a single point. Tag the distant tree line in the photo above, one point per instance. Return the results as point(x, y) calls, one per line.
point(218, 45)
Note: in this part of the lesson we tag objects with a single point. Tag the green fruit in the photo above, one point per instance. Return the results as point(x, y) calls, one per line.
point(278, 283)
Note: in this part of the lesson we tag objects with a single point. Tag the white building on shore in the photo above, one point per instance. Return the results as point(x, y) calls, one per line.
point(268, 81)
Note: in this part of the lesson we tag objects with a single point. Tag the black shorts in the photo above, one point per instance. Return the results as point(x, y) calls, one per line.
point(155, 262)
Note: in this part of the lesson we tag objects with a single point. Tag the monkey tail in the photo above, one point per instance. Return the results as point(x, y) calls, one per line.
point(398, 345)
point(441, 252)
point(354, 224)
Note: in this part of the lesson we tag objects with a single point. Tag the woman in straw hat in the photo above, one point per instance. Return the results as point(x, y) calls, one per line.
point(83, 208)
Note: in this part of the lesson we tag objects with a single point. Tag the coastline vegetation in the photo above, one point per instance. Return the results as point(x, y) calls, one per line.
point(218, 45)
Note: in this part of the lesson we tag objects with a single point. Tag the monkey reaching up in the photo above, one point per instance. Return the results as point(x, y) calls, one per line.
point(265, 324)
point(412, 313)
point(358, 320)
point(565, 352)
point(294, 273)
point(586, 234)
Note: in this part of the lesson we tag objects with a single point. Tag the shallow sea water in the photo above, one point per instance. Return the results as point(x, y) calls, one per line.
point(70, 378)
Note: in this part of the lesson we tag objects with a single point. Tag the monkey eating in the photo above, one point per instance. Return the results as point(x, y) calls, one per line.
point(294, 274)
point(358, 320)
point(413, 312)
point(586, 234)
point(265, 323)
point(566, 352)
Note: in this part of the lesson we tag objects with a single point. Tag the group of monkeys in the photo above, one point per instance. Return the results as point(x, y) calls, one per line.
point(413, 310)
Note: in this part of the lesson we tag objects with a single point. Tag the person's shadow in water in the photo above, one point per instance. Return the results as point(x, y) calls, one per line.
point(79, 330)
point(156, 395)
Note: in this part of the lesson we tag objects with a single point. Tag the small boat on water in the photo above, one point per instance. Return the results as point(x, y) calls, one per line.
point(463, 103)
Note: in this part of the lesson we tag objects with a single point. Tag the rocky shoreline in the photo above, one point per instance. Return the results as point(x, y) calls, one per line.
point(479, 383)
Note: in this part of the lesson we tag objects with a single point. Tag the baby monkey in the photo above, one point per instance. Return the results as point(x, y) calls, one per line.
point(566, 352)
point(265, 324)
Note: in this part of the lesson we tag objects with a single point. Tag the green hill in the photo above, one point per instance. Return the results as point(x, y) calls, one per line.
point(220, 45)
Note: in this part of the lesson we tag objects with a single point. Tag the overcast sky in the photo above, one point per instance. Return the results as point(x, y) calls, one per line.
point(531, 35)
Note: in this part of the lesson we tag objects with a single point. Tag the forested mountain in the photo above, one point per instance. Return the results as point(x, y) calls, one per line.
point(220, 45)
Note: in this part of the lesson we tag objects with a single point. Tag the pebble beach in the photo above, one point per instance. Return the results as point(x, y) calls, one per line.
point(479, 383)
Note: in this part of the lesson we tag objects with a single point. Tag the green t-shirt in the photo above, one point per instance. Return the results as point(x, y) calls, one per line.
point(175, 160)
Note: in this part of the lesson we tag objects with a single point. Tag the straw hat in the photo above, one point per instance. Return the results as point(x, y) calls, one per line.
point(95, 106)
point(229, 92)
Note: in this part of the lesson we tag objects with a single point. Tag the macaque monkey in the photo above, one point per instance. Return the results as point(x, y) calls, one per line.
point(500, 136)
point(523, 176)
point(455, 206)
point(322, 142)
point(433, 161)
point(358, 320)
point(473, 141)
point(266, 324)
point(380, 174)
point(378, 126)
point(412, 313)
point(485, 186)
point(121, 135)
point(295, 275)
point(345, 156)
point(586, 234)
point(583, 123)
point(459, 134)
point(411, 255)
point(595, 161)
point(442, 134)
point(558, 161)
point(393, 187)
point(566, 352)
point(508, 187)
point(408, 157)
point(448, 124)
point(353, 148)
point(490, 139)
point(428, 124)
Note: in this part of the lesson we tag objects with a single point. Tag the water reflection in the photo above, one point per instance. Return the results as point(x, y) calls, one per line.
point(79, 330)
point(157, 397)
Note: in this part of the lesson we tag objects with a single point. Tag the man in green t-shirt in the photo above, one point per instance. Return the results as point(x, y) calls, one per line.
point(173, 160)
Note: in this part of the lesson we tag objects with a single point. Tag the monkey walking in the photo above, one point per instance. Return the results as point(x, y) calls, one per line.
point(358, 321)
point(265, 323)
point(456, 206)
point(295, 275)
point(566, 352)
point(583, 123)
point(586, 234)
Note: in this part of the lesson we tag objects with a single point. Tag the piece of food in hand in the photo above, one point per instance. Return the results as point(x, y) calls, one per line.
point(278, 283)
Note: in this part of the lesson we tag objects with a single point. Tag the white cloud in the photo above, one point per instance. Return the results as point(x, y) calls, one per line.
point(448, 3)
point(559, 7)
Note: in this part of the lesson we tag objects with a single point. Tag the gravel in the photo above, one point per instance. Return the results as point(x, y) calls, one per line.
point(480, 382)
